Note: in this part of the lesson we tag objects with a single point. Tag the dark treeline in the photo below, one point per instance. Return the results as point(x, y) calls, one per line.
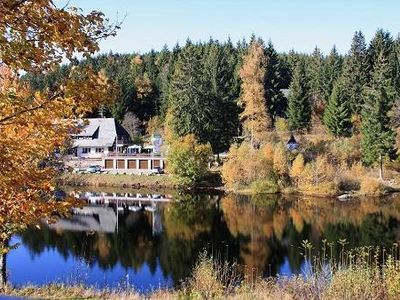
point(197, 88)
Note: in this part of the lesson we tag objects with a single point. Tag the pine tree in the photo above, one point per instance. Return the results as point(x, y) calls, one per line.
point(255, 118)
point(377, 136)
point(395, 65)
point(315, 71)
point(332, 71)
point(190, 101)
point(219, 67)
point(356, 72)
point(274, 98)
point(380, 45)
point(337, 112)
point(299, 110)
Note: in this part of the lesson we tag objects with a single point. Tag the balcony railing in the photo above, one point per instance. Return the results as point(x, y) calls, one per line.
point(113, 154)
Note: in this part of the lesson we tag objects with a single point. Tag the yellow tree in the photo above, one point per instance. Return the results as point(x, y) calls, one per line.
point(254, 117)
point(280, 160)
point(35, 36)
point(297, 167)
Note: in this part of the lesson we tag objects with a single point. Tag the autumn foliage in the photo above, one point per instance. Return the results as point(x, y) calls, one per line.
point(34, 37)
point(255, 117)
point(188, 159)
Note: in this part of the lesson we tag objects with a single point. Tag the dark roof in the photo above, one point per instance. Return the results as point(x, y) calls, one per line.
point(292, 140)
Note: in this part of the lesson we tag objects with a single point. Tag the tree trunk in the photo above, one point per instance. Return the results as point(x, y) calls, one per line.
point(3, 270)
point(380, 167)
point(4, 246)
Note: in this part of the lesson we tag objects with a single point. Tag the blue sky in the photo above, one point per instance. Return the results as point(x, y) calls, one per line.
point(290, 24)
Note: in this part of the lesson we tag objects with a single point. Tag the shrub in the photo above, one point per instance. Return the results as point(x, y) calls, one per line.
point(392, 276)
point(280, 160)
point(297, 166)
point(318, 178)
point(361, 282)
point(211, 279)
point(245, 165)
point(371, 186)
point(265, 186)
point(188, 160)
point(345, 150)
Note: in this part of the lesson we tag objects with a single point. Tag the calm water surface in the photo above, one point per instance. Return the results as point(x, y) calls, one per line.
point(156, 243)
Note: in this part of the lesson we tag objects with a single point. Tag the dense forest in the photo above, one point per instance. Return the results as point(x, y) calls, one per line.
point(222, 93)
point(200, 85)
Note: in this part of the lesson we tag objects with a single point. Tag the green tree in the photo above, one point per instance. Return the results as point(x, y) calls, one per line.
point(316, 80)
point(377, 136)
point(395, 63)
point(299, 110)
point(331, 72)
point(356, 72)
point(188, 160)
point(219, 67)
point(337, 113)
point(273, 83)
point(190, 99)
point(380, 45)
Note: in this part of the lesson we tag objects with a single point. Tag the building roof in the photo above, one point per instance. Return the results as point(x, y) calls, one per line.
point(100, 132)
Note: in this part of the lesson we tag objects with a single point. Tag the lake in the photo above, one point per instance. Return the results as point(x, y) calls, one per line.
point(153, 240)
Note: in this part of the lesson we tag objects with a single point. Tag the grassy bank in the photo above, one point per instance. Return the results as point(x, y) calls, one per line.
point(117, 180)
point(362, 273)
point(154, 182)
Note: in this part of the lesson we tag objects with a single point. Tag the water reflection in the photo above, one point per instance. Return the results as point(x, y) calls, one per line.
point(158, 241)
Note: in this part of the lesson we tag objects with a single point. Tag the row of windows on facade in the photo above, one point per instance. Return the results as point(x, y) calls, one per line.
point(87, 150)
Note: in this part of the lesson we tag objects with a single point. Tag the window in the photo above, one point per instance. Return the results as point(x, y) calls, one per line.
point(99, 150)
point(85, 150)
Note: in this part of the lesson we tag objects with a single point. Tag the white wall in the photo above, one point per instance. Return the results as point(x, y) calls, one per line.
point(92, 153)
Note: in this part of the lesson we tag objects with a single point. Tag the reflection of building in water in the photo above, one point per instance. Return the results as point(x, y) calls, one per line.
point(104, 209)
point(89, 218)
point(112, 198)
point(157, 222)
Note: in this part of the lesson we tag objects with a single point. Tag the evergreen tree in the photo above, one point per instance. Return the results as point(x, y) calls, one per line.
point(273, 95)
point(299, 109)
point(337, 113)
point(377, 136)
point(332, 71)
point(316, 79)
point(380, 45)
point(356, 72)
point(255, 117)
point(219, 68)
point(395, 65)
point(190, 98)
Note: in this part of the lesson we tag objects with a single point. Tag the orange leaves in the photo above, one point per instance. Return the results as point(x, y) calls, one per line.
point(35, 36)
point(254, 116)
point(245, 165)
point(143, 86)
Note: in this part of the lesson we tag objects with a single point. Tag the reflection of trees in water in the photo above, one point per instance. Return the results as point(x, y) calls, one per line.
point(191, 224)
point(270, 229)
point(259, 231)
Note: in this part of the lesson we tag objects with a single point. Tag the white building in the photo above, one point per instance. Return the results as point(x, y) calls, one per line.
point(98, 138)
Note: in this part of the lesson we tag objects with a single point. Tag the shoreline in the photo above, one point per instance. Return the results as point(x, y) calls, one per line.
point(117, 181)
point(168, 182)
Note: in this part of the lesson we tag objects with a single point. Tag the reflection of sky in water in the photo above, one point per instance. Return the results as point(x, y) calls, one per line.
point(266, 237)
point(50, 266)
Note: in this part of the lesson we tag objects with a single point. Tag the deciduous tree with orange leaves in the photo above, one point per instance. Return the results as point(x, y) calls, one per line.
point(35, 36)
point(254, 117)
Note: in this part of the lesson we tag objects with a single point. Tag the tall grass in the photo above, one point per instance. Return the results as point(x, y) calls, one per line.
point(360, 273)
